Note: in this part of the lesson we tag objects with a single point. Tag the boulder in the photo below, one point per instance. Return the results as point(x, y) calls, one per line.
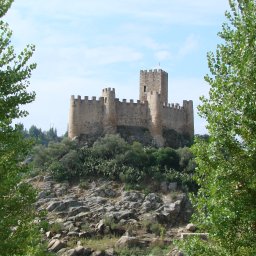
point(132, 196)
point(152, 202)
point(169, 213)
point(53, 205)
point(73, 211)
point(191, 227)
point(127, 241)
point(56, 246)
point(70, 252)
point(79, 250)
point(100, 227)
point(110, 252)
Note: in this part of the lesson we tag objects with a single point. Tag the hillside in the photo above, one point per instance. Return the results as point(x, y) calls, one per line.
point(100, 217)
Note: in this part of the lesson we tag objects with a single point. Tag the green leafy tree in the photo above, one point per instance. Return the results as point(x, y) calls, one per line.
point(109, 146)
point(226, 202)
point(18, 235)
point(167, 158)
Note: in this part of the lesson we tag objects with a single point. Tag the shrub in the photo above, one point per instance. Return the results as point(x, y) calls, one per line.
point(109, 147)
point(167, 158)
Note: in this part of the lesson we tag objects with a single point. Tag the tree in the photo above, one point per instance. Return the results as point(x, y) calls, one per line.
point(18, 235)
point(225, 204)
point(167, 158)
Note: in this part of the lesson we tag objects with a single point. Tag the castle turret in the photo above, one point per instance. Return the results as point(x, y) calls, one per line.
point(73, 123)
point(109, 120)
point(154, 104)
point(156, 80)
point(188, 107)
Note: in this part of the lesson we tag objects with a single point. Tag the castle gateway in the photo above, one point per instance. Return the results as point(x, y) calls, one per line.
point(150, 120)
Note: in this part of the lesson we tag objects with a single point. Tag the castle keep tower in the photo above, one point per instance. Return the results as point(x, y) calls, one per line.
point(156, 80)
point(150, 119)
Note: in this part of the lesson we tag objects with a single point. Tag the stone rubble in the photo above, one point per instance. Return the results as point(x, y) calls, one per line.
point(76, 213)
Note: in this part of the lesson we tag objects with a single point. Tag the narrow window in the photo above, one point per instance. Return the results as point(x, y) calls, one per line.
point(145, 88)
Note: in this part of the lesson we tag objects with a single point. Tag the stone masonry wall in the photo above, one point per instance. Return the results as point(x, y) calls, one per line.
point(132, 114)
point(85, 116)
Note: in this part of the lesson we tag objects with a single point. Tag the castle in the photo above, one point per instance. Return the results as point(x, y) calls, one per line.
point(151, 114)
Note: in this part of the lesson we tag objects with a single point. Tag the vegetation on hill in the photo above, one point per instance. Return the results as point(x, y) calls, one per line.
point(225, 203)
point(111, 157)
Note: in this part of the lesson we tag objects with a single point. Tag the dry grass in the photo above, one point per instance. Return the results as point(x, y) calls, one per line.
point(99, 244)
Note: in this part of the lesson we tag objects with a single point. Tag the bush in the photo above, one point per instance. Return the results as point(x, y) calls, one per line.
point(167, 158)
point(109, 147)
point(187, 162)
point(131, 175)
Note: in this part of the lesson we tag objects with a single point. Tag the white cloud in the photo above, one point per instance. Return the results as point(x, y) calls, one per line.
point(190, 45)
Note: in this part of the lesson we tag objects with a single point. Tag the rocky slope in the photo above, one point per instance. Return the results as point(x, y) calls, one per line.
point(99, 217)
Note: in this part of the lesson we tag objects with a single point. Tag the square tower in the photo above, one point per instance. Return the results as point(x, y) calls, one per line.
point(156, 80)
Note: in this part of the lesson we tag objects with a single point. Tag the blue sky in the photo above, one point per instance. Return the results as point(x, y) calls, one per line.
point(84, 46)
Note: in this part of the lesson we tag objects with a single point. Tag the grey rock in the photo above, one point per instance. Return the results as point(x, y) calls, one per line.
point(79, 250)
point(73, 234)
point(152, 197)
point(65, 204)
point(73, 211)
point(53, 205)
point(57, 245)
point(100, 227)
point(48, 234)
point(127, 241)
point(70, 252)
point(191, 227)
point(62, 251)
point(110, 252)
point(169, 213)
point(125, 214)
point(132, 196)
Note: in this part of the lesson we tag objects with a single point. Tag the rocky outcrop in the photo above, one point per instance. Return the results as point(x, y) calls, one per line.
point(105, 208)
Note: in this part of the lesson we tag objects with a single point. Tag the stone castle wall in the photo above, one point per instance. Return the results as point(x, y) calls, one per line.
point(132, 114)
point(152, 112)
point(85, 116)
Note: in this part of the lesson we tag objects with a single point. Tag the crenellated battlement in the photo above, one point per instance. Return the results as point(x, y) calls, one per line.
point(152, 111)
point(175, 106)
point(152, 71)
point(108, 90)
point(86, 99)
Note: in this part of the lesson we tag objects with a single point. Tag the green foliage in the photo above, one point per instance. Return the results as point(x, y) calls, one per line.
point(110, 157)
point(18, 234)
point(56, 227)
point(225, 203)
point(109, 146)
point(41, 137)
point(136, 156)
point(167, 158)
point(43, 156)
point(186, 162)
